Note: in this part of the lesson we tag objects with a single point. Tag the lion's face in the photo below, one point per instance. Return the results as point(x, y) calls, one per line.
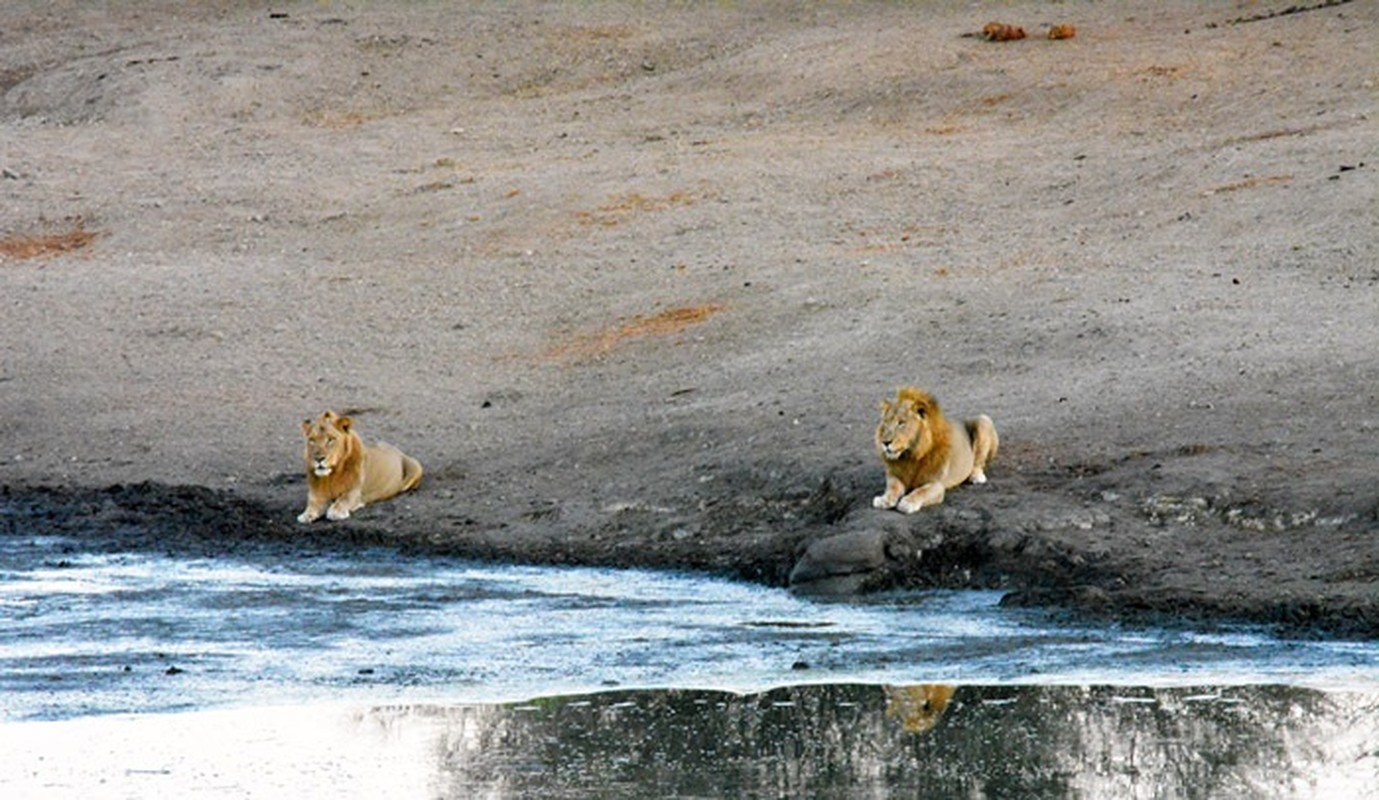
point(904, 427)
point(327, 442)
point(918, 707)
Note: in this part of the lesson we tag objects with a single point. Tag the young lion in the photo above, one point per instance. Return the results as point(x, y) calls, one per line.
point(925, 454)
point(344, 473)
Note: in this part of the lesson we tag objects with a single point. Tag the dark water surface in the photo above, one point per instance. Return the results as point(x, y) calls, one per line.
point(140, 674)
point(818, 741)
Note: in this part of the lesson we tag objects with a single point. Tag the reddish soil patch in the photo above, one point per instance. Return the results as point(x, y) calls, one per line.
point(23, 248)
point(668, 322)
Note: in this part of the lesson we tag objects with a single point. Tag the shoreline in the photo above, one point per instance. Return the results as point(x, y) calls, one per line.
point(1054, 561)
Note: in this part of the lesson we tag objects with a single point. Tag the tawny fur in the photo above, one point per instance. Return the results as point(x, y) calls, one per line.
point(925, 454)
point(1001, 32)
point(343, 474)
point(918, 707)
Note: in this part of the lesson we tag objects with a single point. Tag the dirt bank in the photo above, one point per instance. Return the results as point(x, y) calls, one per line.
point(630, 282)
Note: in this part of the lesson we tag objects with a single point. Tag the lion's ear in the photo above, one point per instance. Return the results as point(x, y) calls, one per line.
point(885, 407)
point(306, 426)
point(344, 423)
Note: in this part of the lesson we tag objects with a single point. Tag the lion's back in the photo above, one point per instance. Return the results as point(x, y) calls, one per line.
point(961, 456)
point(388, 472)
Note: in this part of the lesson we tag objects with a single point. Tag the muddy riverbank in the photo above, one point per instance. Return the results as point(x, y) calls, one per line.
point(1046, 538)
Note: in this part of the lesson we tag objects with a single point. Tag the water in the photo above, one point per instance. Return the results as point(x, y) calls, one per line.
point(98, 633)
point(817, 741)
point(284, 672)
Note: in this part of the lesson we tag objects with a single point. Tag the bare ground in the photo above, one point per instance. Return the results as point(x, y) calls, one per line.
point(630, 280)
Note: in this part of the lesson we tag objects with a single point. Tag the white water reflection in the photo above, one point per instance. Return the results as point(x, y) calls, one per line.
point(808, 741)
point(86, 633)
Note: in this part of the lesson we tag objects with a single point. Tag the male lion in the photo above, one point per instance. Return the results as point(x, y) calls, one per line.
point(925, 454)
point(918, 707)
point(344, 473)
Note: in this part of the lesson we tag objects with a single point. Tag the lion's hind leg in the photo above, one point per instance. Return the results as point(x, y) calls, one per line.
point(985, 442)
point(411, 474)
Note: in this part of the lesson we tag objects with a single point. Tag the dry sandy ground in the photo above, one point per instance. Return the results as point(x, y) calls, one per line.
point(630, 279)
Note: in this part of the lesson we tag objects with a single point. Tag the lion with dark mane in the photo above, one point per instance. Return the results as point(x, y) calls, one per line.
point(343, 474)
point(925, 454)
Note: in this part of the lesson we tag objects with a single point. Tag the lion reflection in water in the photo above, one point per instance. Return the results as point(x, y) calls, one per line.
point(918, 707)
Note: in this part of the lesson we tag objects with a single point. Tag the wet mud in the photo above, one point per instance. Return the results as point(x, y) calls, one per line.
point(1142, 539)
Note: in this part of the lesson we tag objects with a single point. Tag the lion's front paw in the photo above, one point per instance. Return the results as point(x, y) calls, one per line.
point(881, 501)
point(910, 505)
point(978, 477)
point(307, 516)
point(337, 513)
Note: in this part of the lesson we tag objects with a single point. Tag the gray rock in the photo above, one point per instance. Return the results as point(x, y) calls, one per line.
point(853, 562)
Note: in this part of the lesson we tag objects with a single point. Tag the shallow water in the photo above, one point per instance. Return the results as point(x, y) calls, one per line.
point(90, 633)
point(308, 674)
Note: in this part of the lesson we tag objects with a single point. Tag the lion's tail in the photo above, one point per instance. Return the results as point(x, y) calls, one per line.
point(411, 473)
